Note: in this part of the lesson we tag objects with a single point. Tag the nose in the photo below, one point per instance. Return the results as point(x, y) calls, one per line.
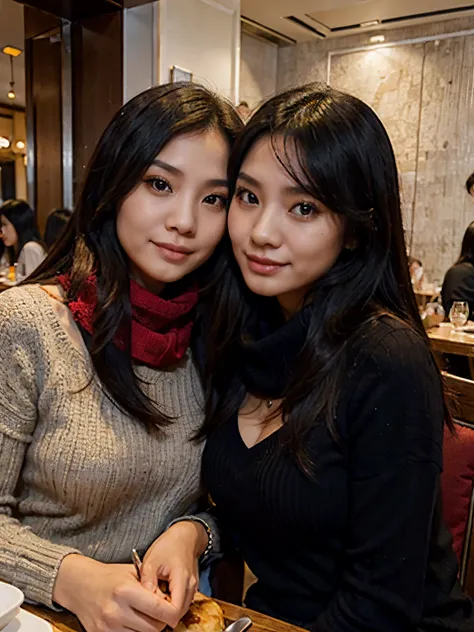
point(266, 229)
point(183, 218)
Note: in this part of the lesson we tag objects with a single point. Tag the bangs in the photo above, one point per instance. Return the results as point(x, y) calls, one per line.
point(321, 167)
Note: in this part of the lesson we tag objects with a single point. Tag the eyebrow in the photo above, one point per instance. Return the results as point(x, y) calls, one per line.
point(167, 167)
point(213, 182)
point(248, 179)
point(290, 190)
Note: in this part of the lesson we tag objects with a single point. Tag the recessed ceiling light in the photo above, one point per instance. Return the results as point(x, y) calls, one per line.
point(4, 142)
point(364, 25)
point(20, 145)
point(377, 39)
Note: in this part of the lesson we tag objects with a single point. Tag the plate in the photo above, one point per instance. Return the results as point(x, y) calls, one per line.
point(27, 622)
point(11, 599)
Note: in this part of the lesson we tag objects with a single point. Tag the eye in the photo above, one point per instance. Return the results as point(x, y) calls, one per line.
point(159, 184)
point(246, 196)
point(217, 200)
point(303, 209)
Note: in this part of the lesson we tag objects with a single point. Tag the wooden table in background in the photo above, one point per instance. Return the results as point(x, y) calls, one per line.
point(445, 340)
point(62, 622)
point(426, 296)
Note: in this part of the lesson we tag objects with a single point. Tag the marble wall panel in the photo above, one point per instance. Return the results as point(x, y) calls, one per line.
point(424, 94)
point(258, 70)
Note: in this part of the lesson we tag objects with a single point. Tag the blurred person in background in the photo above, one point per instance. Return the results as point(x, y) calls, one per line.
point(458, 284)
point(21, 236)
point(416, 272)
point(55, 225)
point(244, 110)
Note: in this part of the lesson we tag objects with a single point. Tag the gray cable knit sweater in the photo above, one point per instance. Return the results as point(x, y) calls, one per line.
point(76, 474)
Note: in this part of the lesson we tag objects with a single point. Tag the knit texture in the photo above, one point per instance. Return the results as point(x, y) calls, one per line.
point(77, 474)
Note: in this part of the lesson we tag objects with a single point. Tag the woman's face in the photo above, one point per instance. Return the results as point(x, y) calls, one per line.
point(172, 221)
point(9, 234)
point(283, 239)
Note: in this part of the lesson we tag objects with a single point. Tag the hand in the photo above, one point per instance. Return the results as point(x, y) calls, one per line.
point(173, 557)
point(109, 597)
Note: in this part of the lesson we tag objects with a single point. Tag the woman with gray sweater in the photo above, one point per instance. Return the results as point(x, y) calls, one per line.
point(100, 399)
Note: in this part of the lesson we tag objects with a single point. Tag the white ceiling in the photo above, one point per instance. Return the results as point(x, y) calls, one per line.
point(324, 15)
point(12, 32)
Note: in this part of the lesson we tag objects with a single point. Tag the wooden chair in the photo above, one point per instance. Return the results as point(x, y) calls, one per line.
point(458, 478)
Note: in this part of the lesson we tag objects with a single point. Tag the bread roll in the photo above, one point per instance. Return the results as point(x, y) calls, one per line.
point(204, 615)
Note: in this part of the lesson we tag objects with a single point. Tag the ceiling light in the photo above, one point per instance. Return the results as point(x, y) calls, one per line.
point(20, 145)
point(13, 51)
point(11, 93)
point(377, 39)
point(4, 142)
point(365, 25)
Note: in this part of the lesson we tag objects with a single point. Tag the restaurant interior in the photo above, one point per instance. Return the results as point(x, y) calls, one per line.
point(67, 67)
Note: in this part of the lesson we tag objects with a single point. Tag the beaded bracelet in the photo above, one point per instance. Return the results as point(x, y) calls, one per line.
point(210, 537)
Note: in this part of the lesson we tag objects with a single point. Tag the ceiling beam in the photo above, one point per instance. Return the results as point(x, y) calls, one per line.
point(79, 9)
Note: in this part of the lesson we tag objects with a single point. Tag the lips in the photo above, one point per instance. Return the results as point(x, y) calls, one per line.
point(173, 253)
point(173, 247)
point(263, 265)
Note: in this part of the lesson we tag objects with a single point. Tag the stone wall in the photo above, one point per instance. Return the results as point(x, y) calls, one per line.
point(258, 70)
point(424, 94)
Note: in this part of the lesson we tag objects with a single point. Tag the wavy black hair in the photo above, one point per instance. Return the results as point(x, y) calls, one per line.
point(136, 135)
point(335, 147)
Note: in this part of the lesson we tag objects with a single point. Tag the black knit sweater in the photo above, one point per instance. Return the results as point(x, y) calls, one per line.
point(361, 546)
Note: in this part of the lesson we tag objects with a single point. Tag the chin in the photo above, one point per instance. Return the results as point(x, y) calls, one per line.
point(261, 287)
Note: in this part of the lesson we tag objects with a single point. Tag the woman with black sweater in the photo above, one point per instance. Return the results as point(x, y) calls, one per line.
point(325, 408)
point(458, 284)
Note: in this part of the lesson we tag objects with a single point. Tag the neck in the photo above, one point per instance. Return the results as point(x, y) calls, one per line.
point(147, 283)
point(291, 303)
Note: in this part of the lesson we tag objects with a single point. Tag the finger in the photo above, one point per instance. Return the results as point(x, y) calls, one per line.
point(181, 590)
point(139, 622)
point(122, 617)
point(151, 604)
point(149, 576)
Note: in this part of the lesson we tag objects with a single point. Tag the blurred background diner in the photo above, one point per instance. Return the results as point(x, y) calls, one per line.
point(66, 66)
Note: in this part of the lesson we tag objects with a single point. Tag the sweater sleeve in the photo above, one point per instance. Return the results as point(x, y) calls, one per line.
point(26, 560)
point(395, 459)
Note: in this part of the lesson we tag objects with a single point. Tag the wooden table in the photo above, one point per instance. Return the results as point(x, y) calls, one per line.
point(426, 296)
point(62, 622)
point(444, 339)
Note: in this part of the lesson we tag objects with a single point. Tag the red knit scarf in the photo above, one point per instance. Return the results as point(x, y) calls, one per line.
point(161, 329)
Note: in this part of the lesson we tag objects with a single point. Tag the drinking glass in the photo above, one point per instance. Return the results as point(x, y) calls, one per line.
point(459, 314)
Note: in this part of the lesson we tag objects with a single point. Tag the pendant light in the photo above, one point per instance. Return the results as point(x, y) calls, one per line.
point(11, 93)
point(12, 52)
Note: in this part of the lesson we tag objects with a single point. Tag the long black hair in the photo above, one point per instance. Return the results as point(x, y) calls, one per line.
point(20, 214)
point(336, 148)
point(89, 245)
point(467, 246)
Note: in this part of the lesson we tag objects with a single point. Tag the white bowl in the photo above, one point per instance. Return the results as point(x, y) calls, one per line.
point(11, 599)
